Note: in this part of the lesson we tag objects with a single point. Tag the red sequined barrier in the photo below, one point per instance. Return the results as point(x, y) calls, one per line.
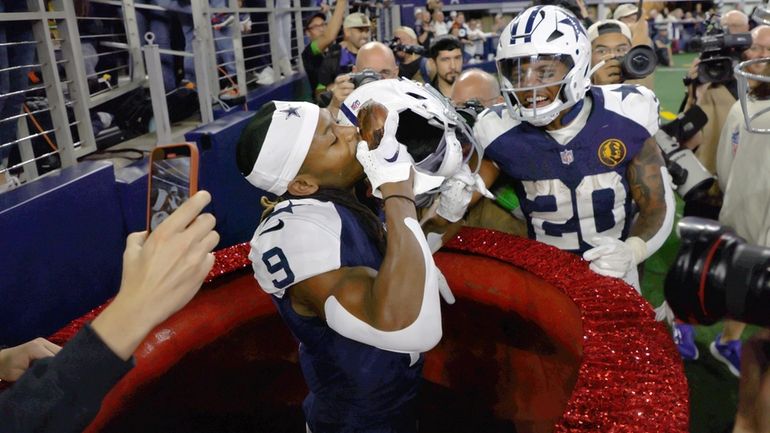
point(632, 378)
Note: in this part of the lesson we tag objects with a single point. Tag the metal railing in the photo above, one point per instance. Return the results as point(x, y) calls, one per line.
point(77, 60)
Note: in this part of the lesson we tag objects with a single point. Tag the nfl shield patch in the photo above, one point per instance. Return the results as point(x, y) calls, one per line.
point(566, 157)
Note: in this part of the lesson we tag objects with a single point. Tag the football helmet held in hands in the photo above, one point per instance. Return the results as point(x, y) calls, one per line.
point(437, 138)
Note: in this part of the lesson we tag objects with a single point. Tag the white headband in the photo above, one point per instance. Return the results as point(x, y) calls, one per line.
point(286, 145)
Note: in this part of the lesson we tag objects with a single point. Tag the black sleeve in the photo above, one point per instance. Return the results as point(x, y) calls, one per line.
point(63, 393)
point(327, 71)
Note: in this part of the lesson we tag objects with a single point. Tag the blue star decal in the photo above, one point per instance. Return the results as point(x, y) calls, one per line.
point(291, 111)
point(286, 209)
point(625, 91)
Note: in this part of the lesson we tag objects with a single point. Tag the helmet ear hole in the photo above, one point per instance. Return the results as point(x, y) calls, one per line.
point(420, 138)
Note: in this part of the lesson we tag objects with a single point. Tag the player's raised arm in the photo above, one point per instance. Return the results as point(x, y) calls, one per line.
point(311, 250)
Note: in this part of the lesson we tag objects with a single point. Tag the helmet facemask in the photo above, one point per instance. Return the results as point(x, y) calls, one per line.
point(438, 148)
point(532, 86)
point(753, 78)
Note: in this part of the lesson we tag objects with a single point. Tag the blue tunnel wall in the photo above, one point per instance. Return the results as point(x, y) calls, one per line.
point(62, 236)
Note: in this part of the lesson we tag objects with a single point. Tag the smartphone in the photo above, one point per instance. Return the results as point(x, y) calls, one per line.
point(173, 179)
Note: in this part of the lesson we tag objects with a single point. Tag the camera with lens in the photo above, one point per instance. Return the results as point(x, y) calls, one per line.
point(366, 76)
point(639, 62)
point(718, 51)
point(396, 45)
point(689, 176)
point(718, 275)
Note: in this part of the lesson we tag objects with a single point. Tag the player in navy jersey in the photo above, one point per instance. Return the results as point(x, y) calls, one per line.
point(588, 173)
point(363, 302)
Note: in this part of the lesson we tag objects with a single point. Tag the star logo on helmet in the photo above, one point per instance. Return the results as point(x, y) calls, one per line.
point(291, 111)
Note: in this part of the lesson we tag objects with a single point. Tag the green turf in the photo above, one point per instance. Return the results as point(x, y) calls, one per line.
point(713, 390)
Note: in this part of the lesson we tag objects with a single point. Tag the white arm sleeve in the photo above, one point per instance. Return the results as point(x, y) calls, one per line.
point(420, 336)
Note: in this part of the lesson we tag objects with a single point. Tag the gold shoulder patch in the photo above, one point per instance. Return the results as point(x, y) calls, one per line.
point(612, 152)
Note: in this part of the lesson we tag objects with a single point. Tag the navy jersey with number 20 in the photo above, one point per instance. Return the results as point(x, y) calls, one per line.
point(572, 192)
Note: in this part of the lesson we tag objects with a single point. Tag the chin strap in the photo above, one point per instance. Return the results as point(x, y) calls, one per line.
point(596, 68)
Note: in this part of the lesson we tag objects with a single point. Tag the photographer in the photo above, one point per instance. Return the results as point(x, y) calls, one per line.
point(741, 162)
point(610, 42)
point(630, 15)
point(412, 64)
point(374, 61)
point(715, 91)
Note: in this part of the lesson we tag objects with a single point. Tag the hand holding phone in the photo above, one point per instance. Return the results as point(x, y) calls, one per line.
point(173, 178)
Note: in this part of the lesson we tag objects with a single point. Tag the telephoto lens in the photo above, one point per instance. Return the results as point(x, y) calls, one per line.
point(718, 275)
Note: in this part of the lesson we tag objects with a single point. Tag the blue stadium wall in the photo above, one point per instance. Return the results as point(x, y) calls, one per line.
point(62, 236)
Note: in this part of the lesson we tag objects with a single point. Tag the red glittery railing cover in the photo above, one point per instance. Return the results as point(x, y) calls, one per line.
point(631, 378)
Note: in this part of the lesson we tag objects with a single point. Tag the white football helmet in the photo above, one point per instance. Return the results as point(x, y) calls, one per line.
point(438, 139)
point(755, 117)
point(532, 54)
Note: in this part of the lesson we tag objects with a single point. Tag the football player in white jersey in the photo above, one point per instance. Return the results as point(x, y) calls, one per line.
point(362, 301)
point(588, 173)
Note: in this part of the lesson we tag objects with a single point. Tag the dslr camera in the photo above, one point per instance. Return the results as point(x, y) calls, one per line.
point(718, 275)
point(366, 76)
point(396, 45)
point(718, 51)
point(690, 176)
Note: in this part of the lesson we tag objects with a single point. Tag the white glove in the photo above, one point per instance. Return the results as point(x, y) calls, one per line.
point(389, 162)
point(457, 192)
point(614, 258)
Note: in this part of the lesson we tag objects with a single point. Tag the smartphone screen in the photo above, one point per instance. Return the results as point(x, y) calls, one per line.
point(173, 179)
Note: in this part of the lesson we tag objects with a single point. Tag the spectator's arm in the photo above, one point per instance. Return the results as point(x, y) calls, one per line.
point(14, 361)
point(161, 273)
point(333, 29)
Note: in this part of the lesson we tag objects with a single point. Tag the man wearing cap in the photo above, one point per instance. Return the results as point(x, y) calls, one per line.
point(321, 36)
point(362, 301)
point(626, 13)
point(341, 57)
point(610, 40)
point(640, 35)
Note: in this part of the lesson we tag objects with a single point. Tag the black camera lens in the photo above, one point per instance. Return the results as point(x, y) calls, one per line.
point(716, 274)
point(715, 70)
point(639, 62)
